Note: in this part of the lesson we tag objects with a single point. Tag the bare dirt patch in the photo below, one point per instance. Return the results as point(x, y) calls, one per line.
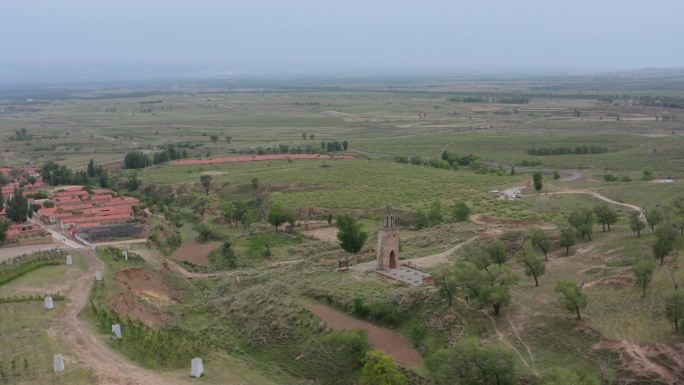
point(197, 253)
point(131, 307)
point(148, 286)
point(326, 234)
point(381, 338)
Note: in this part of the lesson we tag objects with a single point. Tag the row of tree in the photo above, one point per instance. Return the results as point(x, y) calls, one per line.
point(577, 150)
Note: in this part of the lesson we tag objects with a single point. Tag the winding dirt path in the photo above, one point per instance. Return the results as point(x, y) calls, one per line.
point(381, 338)
point(436, 259)
point(82, 340)
point(604, 198)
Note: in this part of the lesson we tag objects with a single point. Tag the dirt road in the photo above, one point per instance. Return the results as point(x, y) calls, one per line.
point(436, 259)
point(381, 338)
point(604, 198)
point(84, 344)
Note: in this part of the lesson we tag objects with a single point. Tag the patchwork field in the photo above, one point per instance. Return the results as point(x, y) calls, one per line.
point(240, 264)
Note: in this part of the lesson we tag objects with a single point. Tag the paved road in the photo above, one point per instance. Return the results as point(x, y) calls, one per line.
point(59, 237)
point(11, 252)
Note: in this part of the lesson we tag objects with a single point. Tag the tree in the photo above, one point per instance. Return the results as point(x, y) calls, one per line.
point(312, 136)
point(205, 180)
point(635, 222)
point(213, 138)
point(4, 226)
point(653, 217)
point(583, 221)
point(227, 255)
point(136, 160)
point(345, 145)
point(664, 243)
point(485, 286)
point(277, 215)
point(434, 213)
point(248, 217)
point(445, 283)
point(350, 234)
point(571, 296)
point(380, 369)
point(606, 215)
point(643, 272)
point(556, 175)
point(537, 181)
point(470, 362)
point(17, 208)
point(540, 240)
point(497, 253)
point(647, 174)
point(460, 212)
point(534, 266)
point(567, 238)
point(674, 308)
point(512, 170)
point(255, 183)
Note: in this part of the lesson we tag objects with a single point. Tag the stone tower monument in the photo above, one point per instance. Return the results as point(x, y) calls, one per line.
point(388, 242)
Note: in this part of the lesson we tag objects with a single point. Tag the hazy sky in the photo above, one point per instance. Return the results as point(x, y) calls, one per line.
point(345, 35)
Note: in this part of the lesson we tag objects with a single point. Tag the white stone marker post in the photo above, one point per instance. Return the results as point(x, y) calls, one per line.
point(48, 304)
point(98, 275)
point(69, 260)
point(197, 369)
point(116, 331)
point(57, 363)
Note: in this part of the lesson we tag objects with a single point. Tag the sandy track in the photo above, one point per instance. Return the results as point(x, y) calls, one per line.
point(82, 341)
point(381, 338)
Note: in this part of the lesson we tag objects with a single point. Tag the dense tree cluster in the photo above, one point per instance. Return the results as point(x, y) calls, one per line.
point(335, 146)
point(17, 207)
point(138, 159)
point(471, 362)
point(94, 175)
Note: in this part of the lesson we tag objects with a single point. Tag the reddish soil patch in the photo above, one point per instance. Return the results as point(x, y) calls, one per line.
point(146, 292)
point(148, 286)
point(197, 253)
point(662, 363)
point(131, 307)
point(381, 338)
point(253, 158)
